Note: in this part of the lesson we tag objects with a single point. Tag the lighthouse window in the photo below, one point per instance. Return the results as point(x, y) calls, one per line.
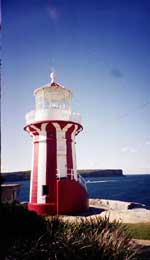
point(45, 189)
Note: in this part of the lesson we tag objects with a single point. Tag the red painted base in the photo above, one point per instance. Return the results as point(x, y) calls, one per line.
point(43, 209)
point(71, 199)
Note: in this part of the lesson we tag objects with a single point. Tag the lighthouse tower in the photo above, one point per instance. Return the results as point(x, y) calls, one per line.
point(55, 186)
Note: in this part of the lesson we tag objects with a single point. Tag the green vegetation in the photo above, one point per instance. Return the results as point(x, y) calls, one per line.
point(27, 236)
point(139, 231)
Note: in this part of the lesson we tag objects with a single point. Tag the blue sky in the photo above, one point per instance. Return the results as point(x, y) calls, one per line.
point(101, 51)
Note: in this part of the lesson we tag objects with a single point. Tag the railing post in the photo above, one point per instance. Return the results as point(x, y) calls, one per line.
point(57, 173)
point(72, 175)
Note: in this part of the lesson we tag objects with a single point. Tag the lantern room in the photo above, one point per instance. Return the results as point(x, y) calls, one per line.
point(52, 101)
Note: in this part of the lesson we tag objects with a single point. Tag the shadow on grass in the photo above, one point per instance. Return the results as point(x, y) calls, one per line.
point(91, 211)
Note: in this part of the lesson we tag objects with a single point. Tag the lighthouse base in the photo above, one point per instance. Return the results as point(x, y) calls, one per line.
point(43, 209)
point(71, 198)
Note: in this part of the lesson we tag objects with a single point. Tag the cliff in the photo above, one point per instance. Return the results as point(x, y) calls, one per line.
point(16, 176)
point(101, 173)
point(25, 175)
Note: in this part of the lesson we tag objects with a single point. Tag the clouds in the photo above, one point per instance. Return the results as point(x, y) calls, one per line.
point(128, 149)
point(147, 142)
point(131, 149)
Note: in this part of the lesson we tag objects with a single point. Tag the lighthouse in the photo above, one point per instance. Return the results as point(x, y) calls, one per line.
point(55, 186)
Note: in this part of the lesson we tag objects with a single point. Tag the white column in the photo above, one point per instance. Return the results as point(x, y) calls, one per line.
point(42, 152)
point(61, 149)
point(31, 178)
point(74, 153)
point(32, 165)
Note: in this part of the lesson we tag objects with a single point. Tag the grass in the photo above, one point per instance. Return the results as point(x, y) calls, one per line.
point(139, 230)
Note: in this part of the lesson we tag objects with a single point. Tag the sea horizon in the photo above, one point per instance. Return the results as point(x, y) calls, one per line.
point(129, 188)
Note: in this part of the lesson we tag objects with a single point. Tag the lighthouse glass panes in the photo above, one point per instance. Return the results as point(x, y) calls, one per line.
point(52, 103)
point(47, 98)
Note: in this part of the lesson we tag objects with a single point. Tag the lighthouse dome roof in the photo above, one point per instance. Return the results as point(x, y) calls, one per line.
point(54, 91)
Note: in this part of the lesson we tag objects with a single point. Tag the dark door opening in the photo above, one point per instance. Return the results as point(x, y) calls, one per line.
point(45, 190)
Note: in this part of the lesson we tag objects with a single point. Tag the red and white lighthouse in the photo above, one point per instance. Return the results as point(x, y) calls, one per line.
point(55, 187)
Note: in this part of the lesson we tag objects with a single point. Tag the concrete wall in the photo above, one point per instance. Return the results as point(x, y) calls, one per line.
point(9, 192)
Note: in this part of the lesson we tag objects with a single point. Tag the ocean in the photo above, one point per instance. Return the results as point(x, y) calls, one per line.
point(131, 188)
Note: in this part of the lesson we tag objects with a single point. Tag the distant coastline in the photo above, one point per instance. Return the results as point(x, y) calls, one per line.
point(25, 175)
point(101, 173)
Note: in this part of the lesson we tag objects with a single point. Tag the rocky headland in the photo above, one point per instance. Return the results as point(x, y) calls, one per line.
point(125, 212)
point(101, 173)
